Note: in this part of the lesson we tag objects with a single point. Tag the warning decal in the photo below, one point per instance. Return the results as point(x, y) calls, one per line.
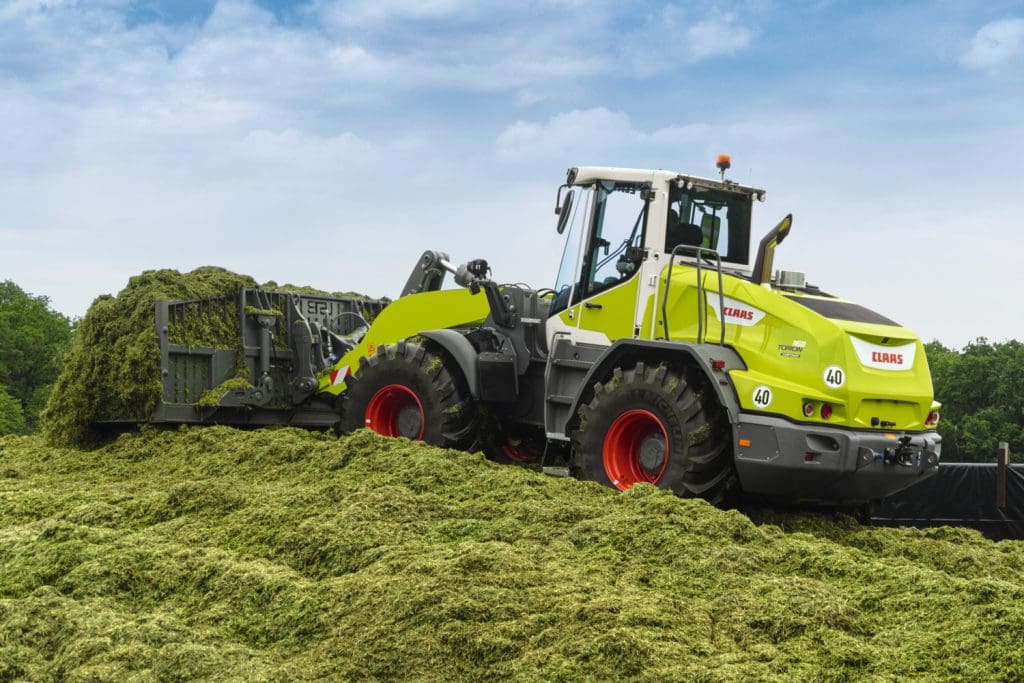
point(339, 376)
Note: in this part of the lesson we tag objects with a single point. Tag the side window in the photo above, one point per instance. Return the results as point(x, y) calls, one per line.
point(620, 219)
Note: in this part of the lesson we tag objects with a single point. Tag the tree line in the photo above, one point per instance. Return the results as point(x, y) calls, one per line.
point(982, 393)
point(33, 339)
point(980, 387)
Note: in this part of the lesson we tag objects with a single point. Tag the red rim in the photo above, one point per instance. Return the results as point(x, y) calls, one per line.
point(393, 411)
point(633, 451)
point(519, 452)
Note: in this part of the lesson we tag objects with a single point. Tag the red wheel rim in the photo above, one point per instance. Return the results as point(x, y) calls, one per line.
point(519, 453)
point(395, 410)
point(635, 449)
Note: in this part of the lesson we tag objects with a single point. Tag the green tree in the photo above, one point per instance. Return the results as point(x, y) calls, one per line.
point(982, 399)
point(32, 339)
point(12, 420)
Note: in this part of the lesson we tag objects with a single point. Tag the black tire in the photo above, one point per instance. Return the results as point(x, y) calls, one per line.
point(408, 390)
point(623, 430)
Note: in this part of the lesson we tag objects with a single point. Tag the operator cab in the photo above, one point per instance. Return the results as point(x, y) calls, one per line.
point(618, 219)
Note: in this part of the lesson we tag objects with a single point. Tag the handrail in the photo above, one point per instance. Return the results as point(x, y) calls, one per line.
point(700, 254)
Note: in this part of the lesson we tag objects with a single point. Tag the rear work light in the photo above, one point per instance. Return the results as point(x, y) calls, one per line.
point(933, 419)
point(826, 411)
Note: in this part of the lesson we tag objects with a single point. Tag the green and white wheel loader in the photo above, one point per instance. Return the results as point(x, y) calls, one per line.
point(667, 352)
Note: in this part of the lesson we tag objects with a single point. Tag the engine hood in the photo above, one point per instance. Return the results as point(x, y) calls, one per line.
point(809, 350)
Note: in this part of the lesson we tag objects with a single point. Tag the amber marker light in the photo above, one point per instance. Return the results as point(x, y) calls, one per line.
point(723, 163)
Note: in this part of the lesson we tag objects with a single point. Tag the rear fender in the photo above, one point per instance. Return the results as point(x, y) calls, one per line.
point(699, 356)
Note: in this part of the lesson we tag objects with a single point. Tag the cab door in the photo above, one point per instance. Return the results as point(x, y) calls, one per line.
point(601, 306)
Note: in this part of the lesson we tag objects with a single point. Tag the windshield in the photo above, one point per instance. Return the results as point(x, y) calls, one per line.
point(712, 219)
point(570, 265)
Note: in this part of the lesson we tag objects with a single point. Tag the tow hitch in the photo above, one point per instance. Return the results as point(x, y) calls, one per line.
point(902, 454)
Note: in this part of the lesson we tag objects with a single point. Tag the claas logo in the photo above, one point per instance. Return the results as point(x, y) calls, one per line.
point(883, 357)
point(731, 312)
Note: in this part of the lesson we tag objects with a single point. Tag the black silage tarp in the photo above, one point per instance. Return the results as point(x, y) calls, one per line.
point(960, 494)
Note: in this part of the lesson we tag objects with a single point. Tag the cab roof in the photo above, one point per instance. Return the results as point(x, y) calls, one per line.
point(585, 175)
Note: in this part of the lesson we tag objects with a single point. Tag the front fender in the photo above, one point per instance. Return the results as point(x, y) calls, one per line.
point(459, 348)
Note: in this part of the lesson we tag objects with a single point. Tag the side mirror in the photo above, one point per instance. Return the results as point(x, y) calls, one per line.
point(563, 208)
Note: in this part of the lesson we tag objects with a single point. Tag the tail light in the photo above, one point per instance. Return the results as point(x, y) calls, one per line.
point(933, 418)
point(826, 411)
point(808, 409)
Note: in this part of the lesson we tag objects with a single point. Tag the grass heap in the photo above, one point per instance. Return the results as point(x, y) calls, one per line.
point(113, 368)
point(282, 555)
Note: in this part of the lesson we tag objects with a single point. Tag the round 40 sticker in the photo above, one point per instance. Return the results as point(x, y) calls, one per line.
point(762, 396)
point(835, 377)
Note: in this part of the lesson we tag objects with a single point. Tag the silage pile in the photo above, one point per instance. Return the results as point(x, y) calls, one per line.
point(113, 369)
point(286, 555)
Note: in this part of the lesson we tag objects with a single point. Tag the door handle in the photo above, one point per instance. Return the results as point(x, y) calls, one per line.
point(590, 305)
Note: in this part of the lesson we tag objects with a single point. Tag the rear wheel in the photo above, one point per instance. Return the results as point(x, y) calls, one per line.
point(407, 390)
point(655, 425)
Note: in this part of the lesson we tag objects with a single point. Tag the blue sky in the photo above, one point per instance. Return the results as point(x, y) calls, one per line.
point(330, 143)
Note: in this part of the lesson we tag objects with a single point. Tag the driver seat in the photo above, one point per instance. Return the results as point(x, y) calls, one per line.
point(677, 232)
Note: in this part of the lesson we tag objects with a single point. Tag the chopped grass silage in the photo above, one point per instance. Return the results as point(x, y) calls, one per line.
point(113, 369)
point(213, 553)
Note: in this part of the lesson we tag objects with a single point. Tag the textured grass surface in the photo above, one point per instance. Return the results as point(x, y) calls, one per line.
point(212, 553)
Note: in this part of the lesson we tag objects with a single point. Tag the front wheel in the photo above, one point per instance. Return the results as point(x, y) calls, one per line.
point(655, 425)
point(407, 390)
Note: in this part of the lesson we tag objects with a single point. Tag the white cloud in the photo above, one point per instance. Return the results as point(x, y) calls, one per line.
point(717, 36)
point(587, 132)
point(673, 38)
point(247, 61)
point(609, 138)
point(994, 44)
point(364, 12)
point(291, 146)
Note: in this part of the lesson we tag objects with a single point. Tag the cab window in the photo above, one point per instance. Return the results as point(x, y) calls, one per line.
point(713, 219)
point(614, 251)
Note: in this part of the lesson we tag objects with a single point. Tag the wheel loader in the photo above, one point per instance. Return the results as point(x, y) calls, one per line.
point(667, 352)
